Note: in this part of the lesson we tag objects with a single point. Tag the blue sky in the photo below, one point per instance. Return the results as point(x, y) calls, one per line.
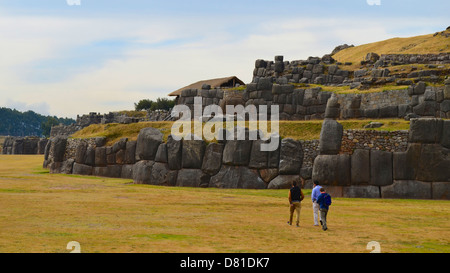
point(104, 55)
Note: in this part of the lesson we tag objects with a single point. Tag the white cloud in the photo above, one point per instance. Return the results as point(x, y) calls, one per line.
point(166, 53)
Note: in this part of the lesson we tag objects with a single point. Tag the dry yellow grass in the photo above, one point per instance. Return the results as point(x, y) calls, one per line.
point(299, 130)
point(40, 212)
point(423, 44)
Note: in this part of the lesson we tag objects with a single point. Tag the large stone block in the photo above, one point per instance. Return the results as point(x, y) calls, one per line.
point(108, 171)
point(237, 152)
point(264, 84)
point(162, 175)
point(130, 152)
point(41, 145)
point(332, 170)
point(212, 160)
point(297, 96)
point(445, 106)
point(147, 144)
point(81, 169)
point(361, 192)
point(100, 157)
point(434, 164)
point(90, 156)
point(237, 177)
point(80, 152)
point(58, 148)
point(273, 157)
point(445, 139)
point(161, 154)
point(174, 151)
point(142, 172)
point(67, 166)
point(447, 92)
point(283, 181)
point(360, 167)
point(332, 112)
point(127, 171)
point(389, 111)
point(330, 137)
point(192, 178)
point(409, 189)
point(120, 157)
point(372, 113)
point(268, 174)
point(100, 141)
point(120, 145)
point(425, 130)
point(426, 108)
point(380, 168)
point(440, 190)
point(291, 156)
point(403, 167)
point(419, 88)
point(55, 167)
point(192, 153)
point(258, 158)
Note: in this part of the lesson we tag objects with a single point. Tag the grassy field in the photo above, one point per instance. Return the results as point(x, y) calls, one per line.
point(40, 212)
point(304, 130)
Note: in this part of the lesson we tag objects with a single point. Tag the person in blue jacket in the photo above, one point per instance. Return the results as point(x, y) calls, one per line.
point(324, 201)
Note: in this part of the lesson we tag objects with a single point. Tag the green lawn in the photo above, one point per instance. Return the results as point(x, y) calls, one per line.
point(42, 212)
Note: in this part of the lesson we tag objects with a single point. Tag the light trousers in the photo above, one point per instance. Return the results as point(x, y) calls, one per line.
point(316, 213)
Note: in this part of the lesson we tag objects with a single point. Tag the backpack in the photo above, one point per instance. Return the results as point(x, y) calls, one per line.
point(327, 199)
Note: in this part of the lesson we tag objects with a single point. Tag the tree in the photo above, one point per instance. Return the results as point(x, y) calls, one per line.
point(159, 104)
point(47, 125)
point(144, 104)
point(162, 104)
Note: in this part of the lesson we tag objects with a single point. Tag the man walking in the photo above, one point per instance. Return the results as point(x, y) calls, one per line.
point(324, 201)
point(295, 197)
point(314, 194)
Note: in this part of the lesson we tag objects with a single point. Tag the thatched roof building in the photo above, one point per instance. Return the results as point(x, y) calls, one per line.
point(214, 83)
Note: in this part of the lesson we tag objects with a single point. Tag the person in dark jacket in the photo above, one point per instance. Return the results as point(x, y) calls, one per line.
point(295, 197)
point(324, 201)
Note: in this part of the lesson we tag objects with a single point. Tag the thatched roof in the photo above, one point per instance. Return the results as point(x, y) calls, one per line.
point(219, 82)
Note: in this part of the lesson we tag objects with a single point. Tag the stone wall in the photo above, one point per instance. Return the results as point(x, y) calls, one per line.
point(24, 145)
point(209, 96)
point(91, 118)
point(193, 163)
point(159, 115)
point(392, 141)
point(313, 70)
point(400, 59)
point(419, 100)
point(419, 172)
point(350, 163)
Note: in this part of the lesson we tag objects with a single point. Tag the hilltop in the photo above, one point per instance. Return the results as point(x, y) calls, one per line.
point(436, 43)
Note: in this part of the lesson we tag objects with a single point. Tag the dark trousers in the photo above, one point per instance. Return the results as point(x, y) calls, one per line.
point(323, 218)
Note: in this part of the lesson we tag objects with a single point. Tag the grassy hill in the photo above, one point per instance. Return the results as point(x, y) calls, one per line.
point(423, 44)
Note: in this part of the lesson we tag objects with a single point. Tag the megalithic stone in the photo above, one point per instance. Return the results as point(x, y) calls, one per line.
point(330, 137)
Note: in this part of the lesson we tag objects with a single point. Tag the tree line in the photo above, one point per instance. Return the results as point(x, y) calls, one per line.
point(159, 104)
point(29, 123)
